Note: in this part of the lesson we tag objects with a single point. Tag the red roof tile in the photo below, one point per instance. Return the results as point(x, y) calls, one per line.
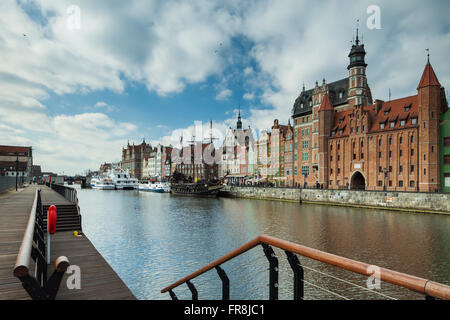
point(428, 77)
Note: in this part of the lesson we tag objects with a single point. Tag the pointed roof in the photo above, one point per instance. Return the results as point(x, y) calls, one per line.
point(326, 104)
point(428, 77)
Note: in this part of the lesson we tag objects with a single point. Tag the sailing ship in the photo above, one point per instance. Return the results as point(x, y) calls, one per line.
point(197, 177)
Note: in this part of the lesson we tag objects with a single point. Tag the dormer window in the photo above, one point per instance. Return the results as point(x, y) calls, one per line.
point(402, 122)
point(301, 106)
point(392, 124)
point(413, 120)
point(333, 133)
point(386, 112)
point(341, 95)
point(382, 125)
point(407, 108)
point(340, 132)
point(341, 120)
point(310, 103)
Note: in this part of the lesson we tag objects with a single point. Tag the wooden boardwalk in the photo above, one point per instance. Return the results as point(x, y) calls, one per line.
point(98, 280)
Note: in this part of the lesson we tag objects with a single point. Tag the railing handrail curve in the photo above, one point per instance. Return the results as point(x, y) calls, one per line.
point(22, 265)
point(413, 283)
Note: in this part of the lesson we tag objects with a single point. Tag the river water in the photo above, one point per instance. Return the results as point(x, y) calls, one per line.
point(152, 240)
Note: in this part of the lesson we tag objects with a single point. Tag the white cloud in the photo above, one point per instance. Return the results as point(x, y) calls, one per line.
point(249, 96)
point(105, 106)
point(224, 95)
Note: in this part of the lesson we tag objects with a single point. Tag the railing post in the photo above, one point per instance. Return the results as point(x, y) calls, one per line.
point(225, 283)
point(193, 290)
point(298, 275)
point(273, 271)
point(173, 295)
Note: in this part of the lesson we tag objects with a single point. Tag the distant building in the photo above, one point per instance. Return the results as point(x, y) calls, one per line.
point(16, 158)
point(105, 167)
point(132, 157)
point(234, 157)
point(445, 151)
point(36, 171)
point(197, 162)
point(281, 157)
point(262, 153)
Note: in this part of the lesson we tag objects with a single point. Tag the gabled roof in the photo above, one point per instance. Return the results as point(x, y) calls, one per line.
point(428, 78)
point(326, 104)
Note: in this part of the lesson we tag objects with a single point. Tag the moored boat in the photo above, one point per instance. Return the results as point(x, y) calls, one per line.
point(102, 183)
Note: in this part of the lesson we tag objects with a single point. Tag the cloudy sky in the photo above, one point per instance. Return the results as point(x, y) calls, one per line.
point(78, 79)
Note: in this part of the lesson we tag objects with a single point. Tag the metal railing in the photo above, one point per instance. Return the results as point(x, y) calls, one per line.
point(68, 193)
point(33, 247)
point(426, 287)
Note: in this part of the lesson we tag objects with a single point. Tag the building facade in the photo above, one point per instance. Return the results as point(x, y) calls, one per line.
point(344, 140)
point(132, 158)
point(445, 151)
point(16, 160)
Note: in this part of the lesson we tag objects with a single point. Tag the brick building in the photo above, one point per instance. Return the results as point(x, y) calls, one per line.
point(132, 158)
point(197, 161)
point(344, 140)
point(8, 157)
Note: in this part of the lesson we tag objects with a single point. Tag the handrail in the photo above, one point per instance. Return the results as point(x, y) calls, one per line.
point(69, 194)
point(33, 246)
point(22, 265)
point(413, 283)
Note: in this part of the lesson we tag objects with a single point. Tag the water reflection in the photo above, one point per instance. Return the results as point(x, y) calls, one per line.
point(151, 240)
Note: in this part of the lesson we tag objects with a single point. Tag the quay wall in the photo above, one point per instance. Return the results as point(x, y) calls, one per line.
point(403, 201)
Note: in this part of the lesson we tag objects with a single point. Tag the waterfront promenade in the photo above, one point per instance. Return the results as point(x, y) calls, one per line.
point(98, 279)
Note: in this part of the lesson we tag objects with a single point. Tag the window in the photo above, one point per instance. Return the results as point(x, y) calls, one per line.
point(390, 168)
point(412, 168)
point(331, 148)
point(305, 156)
point(446, 158)
point(424, 171)
point(390, 183)
point(401, 153)
point(380, 183)
point(392, 124)
point(362, 155)
point(354, 156)
point(305, 170)
point(331, 182)
point(390, 140)
point(339, 157)
point(411, 183)
point(401, 140)
point(382, 126)
point(380, 169)
point(447, 142)
point(400, 183)
point(379, 142)
point(412, 152)
point(413, 120)
point(295, 145)
point(412, 139)
point(380, 154)
point(331, 158)
point(331, 171)
point(400, 169)
point(305, 144)
point(402, 123)
point(390, 154)
point(424, 157)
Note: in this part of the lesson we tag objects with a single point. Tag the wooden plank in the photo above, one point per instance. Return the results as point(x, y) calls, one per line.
point(98, 279)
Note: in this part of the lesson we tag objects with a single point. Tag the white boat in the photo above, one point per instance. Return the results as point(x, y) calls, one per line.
point(122, 179)
point(154, 186)
point(102, 183)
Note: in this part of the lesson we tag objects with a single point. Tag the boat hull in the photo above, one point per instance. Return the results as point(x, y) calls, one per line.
point(192, 191)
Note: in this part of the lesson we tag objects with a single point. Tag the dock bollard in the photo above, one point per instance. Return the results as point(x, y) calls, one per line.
point(51, 228)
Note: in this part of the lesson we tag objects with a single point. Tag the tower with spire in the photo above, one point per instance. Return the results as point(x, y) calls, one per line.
point(358, 91)
point(239, 121)
point(430, 103)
